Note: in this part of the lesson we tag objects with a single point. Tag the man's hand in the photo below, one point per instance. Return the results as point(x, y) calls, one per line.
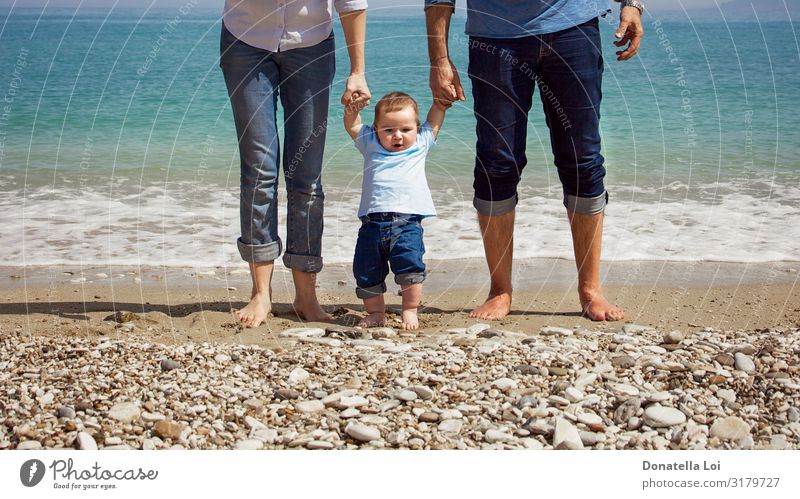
point(445, 83)
point(356, 92)
point(630, 32)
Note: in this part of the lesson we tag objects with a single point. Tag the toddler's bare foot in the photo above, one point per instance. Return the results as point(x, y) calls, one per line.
point(374, 319)
point(255, 312)
point(410, 320)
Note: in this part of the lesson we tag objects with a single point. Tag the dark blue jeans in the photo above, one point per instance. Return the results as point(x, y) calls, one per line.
point(388, 239)
point(567, 66)
point(256, 78)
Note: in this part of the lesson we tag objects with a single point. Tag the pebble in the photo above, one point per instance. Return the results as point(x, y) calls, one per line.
point(635, 329)
point(674, 337)
point(555, 331)
point(406, 395)
point(573, 394)
point(624, 389)
point(658, 416)
point(450, 426)
point(744, 363)
point(84, 441)
point(477, 328)
point(319, 444)
point(124, 412)
point(793, 415)
point(423, 392)
point(623, 361)
point(589, 418)
point(29, 445)
point(169, 364)
point(287, 394)
point(309, 406)
point(361, 432)
point(566, 436)
point(168, 429)
point(730, 428)
point(298, 376)
point(66, 412)
point(429, 417)
point(249, 444)
point(504, 384)
point(302, 332)
point(493, 436)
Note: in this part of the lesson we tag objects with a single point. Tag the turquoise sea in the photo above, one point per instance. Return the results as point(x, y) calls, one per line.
point(117, 143)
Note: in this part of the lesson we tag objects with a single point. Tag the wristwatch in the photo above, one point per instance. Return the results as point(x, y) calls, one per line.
point(631, 3)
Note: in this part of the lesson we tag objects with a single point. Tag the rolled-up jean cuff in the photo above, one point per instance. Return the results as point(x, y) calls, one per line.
point(303, 263)
point(372, 292)
point(257, 253)
point(588, 206)
point(409, 278)
point(495, 208)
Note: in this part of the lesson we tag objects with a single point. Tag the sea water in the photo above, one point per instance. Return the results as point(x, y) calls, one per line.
point(117, 143)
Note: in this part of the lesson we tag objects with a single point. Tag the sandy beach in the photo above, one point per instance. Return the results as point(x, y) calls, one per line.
point(151, 358)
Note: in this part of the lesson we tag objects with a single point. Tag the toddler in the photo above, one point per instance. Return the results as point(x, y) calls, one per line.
point(394, 200)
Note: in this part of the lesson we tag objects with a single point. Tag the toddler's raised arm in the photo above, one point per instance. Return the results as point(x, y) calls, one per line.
point(352, 119)
point(436, 117)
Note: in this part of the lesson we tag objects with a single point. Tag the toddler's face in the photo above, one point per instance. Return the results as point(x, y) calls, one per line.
point(397, 129)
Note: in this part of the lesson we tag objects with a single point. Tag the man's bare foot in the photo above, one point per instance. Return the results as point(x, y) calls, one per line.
point(310, 311)
point(375, 319)
point(255, 312)
point(595, 306)
point(494, 308)
point(410, 320)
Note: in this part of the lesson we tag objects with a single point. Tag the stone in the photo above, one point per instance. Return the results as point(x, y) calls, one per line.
point(729, 396)
point(253, 424)
point(725, 359)
point(29, 445)
point(730, 428)
point(249, 444)
point(406, 395)
point(778, 442)
point(674, 337)
point(504, 384)
point(573, 395)
point(84, 441)
point(557, 371)
point(152, 417)
point(423, 392)
point(566, 437)
point(590, 438)
point(624, 389)
point(309, 406)
point(627, 410)
point(623, 361)
point(354, 401)
point(362, 432)
point(266, 435)
point(450, 426)
point(168, 429)
point(555, 331)
point(744, 363)
point(286, 394)
point(66, 412)
point(302, 332)
point(532, 444)
point(493, 436)
point(169, 364)
point(380, 333)
point(429, 417)
point(298, 376)
point(635, 329)
point(477, 328)
point(793, 415)
point(319, 444)
point(658, 416)
point(589, 418)
point(125, 412)
point(527, 401)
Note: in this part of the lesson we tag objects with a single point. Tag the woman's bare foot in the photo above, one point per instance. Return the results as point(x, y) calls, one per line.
point(375, 319)
point(255, 312)
point(494, 308)
point(306, 305)
point(595, 306)
point(410, 320)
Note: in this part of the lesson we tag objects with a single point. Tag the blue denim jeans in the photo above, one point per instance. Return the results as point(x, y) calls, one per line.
point(301, 78)
point(567, 66)
point(388, 239)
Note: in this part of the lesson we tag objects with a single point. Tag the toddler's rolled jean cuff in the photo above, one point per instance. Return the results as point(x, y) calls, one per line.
point(588, 206)
point(371, 292)
point(495, 208)
point(409, 278)
point(258, 253)
point(303, 263)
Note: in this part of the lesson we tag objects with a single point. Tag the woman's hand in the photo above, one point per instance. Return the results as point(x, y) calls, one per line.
point(356, 92)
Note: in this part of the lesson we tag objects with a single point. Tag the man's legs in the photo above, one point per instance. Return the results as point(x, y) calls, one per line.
point(306, 75)
point(498, 246)
point(570, 89)
point(587, 235)
point(502, 90)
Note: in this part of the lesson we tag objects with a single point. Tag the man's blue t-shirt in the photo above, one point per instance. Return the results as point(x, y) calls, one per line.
point(518, 18)
point(395, 182)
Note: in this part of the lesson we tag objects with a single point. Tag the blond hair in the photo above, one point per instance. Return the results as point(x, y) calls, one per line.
point(394, 101)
